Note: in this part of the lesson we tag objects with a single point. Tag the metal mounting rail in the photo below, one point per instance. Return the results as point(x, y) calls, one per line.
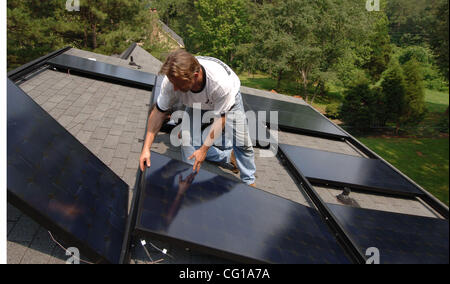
point(22, 71)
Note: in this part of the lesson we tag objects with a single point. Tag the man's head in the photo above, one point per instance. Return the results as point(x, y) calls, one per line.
point(182, 69)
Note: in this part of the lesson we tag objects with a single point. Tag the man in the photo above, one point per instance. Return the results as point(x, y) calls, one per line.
point(211, 84)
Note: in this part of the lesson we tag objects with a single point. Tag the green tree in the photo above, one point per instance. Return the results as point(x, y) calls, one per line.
point(29, 37)
point(439, 36)
point(380, 49)
point(414, 93)
point(36, 28)
point(273, 41)
point(410, 22)
point(221, 26)
point(394, 90)
point(361, 106)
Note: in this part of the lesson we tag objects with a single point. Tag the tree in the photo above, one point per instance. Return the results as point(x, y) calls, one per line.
point(414, 94)
point(439, 36)
point(410, 22)
point(273, 44)
point(393, 87)
point(221, 26)
point(361, 107)
point(39, 27)
point(28, 37)
point(380, 49)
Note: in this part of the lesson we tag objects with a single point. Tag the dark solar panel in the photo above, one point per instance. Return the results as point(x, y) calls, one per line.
point(70, 190)
point(104, 70)
point(399, 238)
point(339, 169)
point(293, 117)
point(227, 218)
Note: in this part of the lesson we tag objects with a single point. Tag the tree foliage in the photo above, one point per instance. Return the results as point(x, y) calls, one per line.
point(36, 28)
point(394, 92)
point(410, 22)
point(414, 94)
point(220, 27)
point(439, 36)
point(361, 107)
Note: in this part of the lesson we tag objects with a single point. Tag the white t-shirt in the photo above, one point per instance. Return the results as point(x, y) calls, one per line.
point(218, 94)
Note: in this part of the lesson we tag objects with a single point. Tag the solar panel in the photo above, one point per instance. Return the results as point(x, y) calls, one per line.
point(399, 238)
point(104, 70)
point(67, 189)
point(345, 170)
point(294, 117)
point(230, 219)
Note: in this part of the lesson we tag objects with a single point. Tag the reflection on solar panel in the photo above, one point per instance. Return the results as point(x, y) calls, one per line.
point(220, 216)
point(104, 70)
point(294, 117)
point(345, 170)
point(66, 187)
point(399, 238)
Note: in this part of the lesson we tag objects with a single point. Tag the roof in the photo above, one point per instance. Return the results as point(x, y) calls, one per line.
point(110, 120)
point(172, 34)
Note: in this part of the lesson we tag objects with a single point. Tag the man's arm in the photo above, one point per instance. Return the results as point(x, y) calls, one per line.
point(155, 122)
point(214, 133)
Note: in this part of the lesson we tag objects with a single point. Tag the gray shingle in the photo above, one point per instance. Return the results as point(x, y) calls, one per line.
point(100, 133)
point(90, 125)
point(127, 137)
point(94, 145)
point(129, 175)
point(122, 151)
point(15, 251)
point(111, 141)
point(133, 160)
point(64, 120)
point(83, 136)
point(106, 155)
point(118, 166)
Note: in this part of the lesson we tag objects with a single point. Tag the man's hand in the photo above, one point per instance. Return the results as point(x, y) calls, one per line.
point(144, 159)
point(199, 156)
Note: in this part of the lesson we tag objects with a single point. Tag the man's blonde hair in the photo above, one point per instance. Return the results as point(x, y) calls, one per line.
point(180, 64)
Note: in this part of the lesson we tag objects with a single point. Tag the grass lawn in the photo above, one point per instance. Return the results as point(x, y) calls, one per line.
point(436, 101)
point(425, 160)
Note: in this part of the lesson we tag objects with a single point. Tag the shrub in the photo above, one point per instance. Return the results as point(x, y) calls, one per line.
point(361, 107)
point(332, 111)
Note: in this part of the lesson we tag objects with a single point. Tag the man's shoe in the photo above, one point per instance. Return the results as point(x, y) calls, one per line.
point(253, 185)
point(233, 162)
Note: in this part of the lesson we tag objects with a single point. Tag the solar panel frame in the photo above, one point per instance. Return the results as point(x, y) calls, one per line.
point(400, 238)
point(294, 117)
point(104, 70)
point(66, 209)
point(212, 191)
point(323, 167)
